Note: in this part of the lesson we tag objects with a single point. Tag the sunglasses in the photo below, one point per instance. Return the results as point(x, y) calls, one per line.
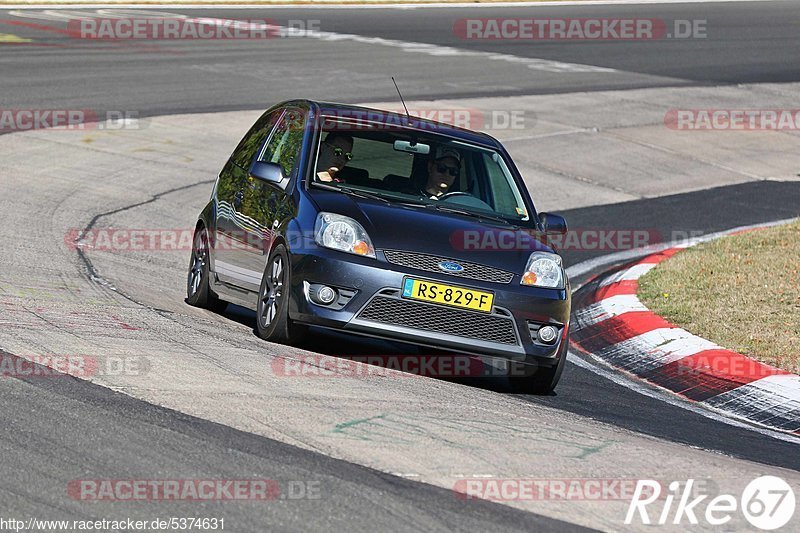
point(338, 152)
point(453, 171)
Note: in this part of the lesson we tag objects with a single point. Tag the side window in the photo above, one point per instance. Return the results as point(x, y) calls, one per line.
point(506, 200)
point(284, 147)
point(246, 151)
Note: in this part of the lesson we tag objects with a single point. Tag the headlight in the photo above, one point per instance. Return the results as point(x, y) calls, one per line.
point(544, 270)
point(342, 233)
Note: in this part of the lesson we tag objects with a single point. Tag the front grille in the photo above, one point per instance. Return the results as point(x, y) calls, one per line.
point(439, 319)
point(430, 263)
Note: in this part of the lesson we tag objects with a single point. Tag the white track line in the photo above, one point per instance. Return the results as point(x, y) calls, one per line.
point(760, 396)
point(642, 388)
point(437, 5)
point(658, 347)
point(772, 387)
point(610, 307)
point(629, 274)
point(532, 63)
point(772, 401)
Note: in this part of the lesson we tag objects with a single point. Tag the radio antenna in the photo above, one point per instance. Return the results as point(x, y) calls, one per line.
point(408, 116)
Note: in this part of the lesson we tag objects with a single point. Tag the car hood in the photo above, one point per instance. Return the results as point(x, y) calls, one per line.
point(416, 229)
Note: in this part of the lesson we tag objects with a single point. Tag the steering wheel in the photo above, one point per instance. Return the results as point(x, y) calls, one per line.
point(447, 195)
point(465, 199)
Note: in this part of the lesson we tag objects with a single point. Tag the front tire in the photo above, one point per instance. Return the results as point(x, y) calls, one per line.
point(198, 292)
point(543, 382)
point(545, 379)
point(272, 314)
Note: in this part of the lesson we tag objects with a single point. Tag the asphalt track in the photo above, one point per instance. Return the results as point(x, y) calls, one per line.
point(745, 43)
point(65, 429)
point(80, 426)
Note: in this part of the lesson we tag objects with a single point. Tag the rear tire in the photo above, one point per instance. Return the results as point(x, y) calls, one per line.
point(198, 292)
point(272, 314)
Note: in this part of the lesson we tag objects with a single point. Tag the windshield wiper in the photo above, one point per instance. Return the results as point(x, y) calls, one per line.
point(352, 192)
point(411, 203)
point(473, 214)
point(363, 194)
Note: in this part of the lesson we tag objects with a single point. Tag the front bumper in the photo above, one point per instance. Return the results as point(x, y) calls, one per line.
point(377, 309)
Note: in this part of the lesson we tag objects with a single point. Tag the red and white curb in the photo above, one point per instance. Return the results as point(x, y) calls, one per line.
point(611, 324)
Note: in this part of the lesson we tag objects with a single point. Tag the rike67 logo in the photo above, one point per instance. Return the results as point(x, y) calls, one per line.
point(768, 503)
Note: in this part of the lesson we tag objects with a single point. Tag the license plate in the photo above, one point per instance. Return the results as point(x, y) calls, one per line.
point(429, 291)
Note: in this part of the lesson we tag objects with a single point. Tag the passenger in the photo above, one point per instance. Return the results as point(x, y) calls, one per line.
point(443, 170)
point(334, 153)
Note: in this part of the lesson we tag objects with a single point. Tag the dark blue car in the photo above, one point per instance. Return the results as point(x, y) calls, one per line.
point(380, 224)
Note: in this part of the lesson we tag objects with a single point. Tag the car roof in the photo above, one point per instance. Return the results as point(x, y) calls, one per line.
point(399, 120)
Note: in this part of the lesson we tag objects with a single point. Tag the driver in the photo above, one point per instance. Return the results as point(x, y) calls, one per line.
point(334, 153)
point(443, 170)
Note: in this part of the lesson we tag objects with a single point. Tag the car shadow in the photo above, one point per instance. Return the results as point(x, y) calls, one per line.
point(337, 344)
point(381, 353)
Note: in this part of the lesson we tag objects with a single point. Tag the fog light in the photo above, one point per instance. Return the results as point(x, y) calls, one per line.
point(548, 334)
point(326, 295)
point(320, 294)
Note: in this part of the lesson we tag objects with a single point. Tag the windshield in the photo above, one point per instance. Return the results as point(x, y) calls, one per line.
point(419, 168)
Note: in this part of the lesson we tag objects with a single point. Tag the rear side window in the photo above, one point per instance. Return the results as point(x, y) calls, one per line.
point(285, 145)
point(246, 151)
